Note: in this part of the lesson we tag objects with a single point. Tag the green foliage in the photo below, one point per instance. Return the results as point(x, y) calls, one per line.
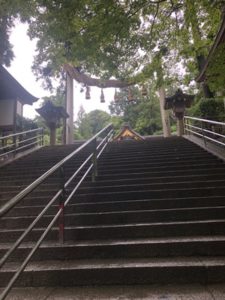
point(24, 124)
point(89, 124)
point(215, 73)
point(143, 114)
point(212, 109)
point(115, 38)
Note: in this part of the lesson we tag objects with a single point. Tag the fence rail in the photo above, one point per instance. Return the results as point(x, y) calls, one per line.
point(64, 195)
point(207, 130)
point(12, 144)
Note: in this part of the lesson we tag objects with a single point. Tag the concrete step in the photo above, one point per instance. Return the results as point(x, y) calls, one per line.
point(122, 248)
point(152, 194)
point(149, 173)
point(163, 168)
point(151, 186)
point(207, 191)
point(122, 217)
point(124, 231)
point(118, 271)
point(127, 205)
point(161, 179)
point(140, 157)
point(152, 164)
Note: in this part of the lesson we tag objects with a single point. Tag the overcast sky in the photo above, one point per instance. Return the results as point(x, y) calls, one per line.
point(24, 51)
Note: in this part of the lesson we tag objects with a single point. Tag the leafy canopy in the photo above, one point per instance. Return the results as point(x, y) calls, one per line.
point(116, 38)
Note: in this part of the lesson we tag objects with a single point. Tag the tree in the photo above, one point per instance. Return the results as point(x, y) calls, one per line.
point(120, 38)
point(143, 113)
point(91, 123)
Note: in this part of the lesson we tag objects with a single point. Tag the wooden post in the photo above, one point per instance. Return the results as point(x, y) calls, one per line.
point(69, 109)
point(164, 113)
point(180, 127)
point(15, 126)
point(52, 135)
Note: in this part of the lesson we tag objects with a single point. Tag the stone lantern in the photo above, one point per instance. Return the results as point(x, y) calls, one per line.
point(178, 103)
point(52, 115)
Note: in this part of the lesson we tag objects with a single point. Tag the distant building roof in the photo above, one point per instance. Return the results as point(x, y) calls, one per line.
point(127, 133)
point(220, 38)
point(10, 88)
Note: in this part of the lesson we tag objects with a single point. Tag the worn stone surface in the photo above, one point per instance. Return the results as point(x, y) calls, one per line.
point(153, 292)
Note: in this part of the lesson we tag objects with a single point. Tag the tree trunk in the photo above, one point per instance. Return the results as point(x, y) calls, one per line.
point(69, 109)
point(164, 113)
point(52, 135)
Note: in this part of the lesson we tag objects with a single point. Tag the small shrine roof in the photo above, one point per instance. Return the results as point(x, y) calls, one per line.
point(128, 133)
point(10, 88)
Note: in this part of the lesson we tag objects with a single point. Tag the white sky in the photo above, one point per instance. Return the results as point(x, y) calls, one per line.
point(20, 69)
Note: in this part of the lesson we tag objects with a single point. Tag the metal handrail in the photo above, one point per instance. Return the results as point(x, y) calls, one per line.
point(64, 202)
point(205, 134)
point(19, 133)
point(16, 142)
point(15, 200)
point(205, 120)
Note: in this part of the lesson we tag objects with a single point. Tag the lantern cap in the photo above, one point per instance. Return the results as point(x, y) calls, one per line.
point(179, 96)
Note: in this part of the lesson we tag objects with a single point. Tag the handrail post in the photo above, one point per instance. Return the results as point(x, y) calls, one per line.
point(42, 136)
point(94, 161)
point(203, 133)
point(62, 206)
point(14, 140)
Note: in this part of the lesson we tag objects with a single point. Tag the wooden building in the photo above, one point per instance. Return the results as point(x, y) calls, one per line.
point(12, 98)
point(219, 41)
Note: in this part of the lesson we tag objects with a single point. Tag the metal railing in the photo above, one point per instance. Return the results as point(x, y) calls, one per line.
point(11, 144)
point(207, 130)
point(63, 195)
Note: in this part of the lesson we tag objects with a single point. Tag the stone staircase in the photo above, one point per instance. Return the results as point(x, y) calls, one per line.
point(156, 214)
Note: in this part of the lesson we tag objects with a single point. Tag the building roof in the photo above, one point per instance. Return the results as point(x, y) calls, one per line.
point(10, 88)
point(220, 38)
point(128, 133)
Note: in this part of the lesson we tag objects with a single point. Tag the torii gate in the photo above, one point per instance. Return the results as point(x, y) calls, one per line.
point(74, 73)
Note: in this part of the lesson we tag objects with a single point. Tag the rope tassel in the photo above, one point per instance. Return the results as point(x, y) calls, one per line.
point(102, 97)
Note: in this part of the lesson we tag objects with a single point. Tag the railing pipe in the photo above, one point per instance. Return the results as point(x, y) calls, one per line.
point(61, 193)
point(94, 161)
point(15, 200)
point(28, 230)
point(205, 120)
point(19, 133)
point(205, 134)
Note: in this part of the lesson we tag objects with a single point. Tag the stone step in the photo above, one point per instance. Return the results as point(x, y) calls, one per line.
point(122, 248)
point(151, 186)
point(163, 168)
point(122, 217)
point(134, 194)
point(207, 191)
point(139, 157)
point(127, 205)
point(118, 271)
point(163, 178)
point(124, 231)
point(157, 174)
